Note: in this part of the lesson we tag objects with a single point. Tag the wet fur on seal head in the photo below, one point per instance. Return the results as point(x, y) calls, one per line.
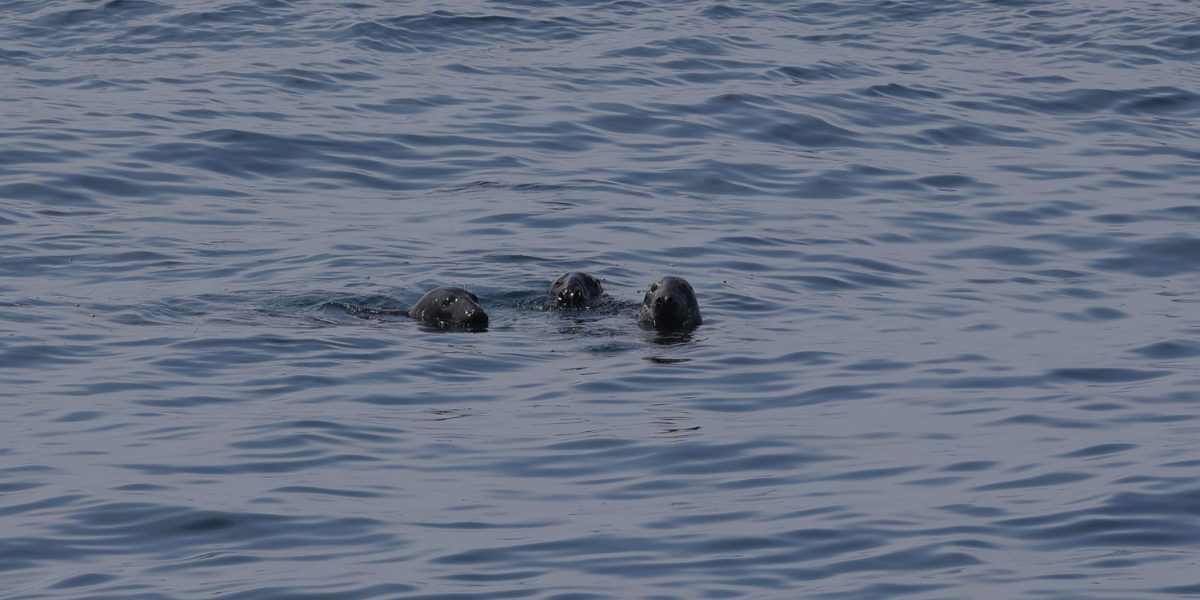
point(576, 289)
point(670, 305)
point(449, 306)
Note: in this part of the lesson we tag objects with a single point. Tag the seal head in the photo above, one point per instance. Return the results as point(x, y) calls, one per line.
point(670, 305)
point(576, 289)
point(449, 306)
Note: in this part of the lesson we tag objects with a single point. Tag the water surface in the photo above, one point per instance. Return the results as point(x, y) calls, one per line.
point(946, 255)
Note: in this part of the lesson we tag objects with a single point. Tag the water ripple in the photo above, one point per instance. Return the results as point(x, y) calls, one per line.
point(945, 255)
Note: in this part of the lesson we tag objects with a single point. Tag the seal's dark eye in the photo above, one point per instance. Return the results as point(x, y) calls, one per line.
point(654, 287)
point(448, 301)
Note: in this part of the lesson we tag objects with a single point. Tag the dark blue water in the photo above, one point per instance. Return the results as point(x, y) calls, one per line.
point(947, 255)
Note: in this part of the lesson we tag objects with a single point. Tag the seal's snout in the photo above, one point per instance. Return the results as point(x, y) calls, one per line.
point(475, 316)
point(669, 304)
point(575, 289)
point(449, 306)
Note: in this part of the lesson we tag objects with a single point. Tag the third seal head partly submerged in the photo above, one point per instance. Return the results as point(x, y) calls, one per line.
point(449, 306)
point(576, 289)
point(670, 304)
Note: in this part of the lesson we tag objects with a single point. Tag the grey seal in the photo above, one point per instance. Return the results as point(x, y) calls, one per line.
point(576, 289)
point(670, 305)
point(449, 306)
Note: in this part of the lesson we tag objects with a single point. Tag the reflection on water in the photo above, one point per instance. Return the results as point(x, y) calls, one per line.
point(670, 338)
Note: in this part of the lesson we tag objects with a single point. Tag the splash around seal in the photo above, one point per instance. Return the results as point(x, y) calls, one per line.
point(670, 305)
point(450, 306)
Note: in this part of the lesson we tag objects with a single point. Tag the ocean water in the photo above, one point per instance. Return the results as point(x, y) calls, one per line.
point(947, 254)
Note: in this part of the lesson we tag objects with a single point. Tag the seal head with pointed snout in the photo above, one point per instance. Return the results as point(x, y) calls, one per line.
point(576, 289)
point(449, 306)
point(670, 305)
